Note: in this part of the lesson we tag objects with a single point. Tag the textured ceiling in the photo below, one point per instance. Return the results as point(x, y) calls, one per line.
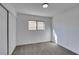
point(36, 8)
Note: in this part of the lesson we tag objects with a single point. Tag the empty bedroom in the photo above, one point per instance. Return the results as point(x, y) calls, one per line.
point(39, 28)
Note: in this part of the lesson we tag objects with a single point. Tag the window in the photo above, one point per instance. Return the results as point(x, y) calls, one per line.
point(40, 25)
point(31, 25)
point(36, 25)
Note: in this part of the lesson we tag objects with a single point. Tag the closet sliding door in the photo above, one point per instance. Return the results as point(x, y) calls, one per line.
point(3, 31)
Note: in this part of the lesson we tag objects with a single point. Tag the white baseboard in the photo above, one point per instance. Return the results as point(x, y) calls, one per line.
point(12, 51)
point(32, 43)
point(68, 49)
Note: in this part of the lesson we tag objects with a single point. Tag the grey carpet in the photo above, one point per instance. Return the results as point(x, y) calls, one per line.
point(42, 49)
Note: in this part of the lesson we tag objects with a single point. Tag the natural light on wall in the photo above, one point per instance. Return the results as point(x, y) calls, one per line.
point(55, 36)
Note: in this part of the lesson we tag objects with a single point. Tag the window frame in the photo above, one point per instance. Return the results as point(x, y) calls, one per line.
point(43, 28)
point(29, 26)
point(37, 21)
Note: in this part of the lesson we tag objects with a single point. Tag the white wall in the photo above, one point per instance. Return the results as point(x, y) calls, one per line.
point(66, 26)
point(24, 36)
point(12, 27)
point(12, 32)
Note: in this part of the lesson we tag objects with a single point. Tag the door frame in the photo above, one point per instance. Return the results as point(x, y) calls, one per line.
point(7, 27)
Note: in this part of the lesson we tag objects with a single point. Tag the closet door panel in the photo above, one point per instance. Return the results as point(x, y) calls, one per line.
point(3, 31)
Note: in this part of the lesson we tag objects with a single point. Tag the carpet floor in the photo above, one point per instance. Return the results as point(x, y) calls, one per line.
point(46, 48)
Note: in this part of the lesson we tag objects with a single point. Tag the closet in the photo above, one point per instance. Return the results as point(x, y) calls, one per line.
point(3, 31)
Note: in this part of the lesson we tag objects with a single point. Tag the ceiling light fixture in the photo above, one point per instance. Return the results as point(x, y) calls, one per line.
point(45, 5)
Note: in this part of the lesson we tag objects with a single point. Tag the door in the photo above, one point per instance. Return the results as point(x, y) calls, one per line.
point(3, 31)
